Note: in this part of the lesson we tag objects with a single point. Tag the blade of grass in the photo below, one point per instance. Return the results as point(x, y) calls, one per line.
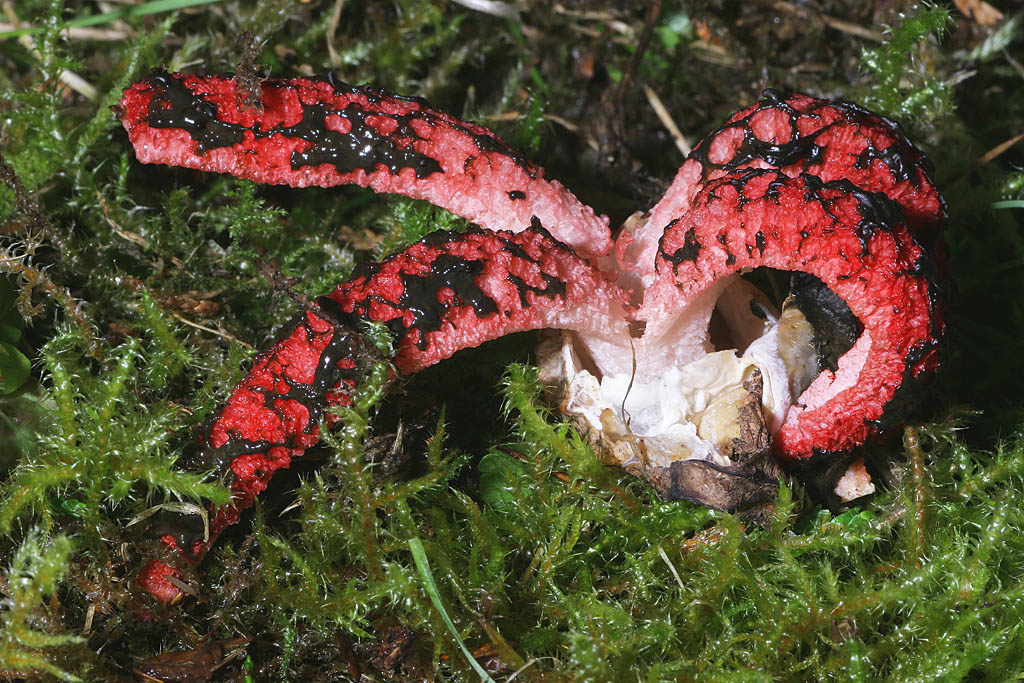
point(419, 556)
point(155, 7)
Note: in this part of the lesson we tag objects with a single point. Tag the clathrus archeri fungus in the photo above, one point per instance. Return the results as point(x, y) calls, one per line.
point(677, 367)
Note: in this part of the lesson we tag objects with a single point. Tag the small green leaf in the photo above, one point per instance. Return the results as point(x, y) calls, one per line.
point(499, 474)
point(14, 368)
point(854, 517)
point(9, 334)
point(71, 506)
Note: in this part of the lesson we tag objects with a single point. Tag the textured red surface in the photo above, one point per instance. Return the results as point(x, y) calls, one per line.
point(271, 417)
point(801, 184)
point(768, 219)
point(800, 135)
point(836, 141)
point(260, 409)
point(153, 580)
point(491, 284)
point(369, 138)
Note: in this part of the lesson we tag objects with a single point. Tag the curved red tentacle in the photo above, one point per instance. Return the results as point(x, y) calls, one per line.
point(444, 293)
point(801, 135)
point(320, 131)
point(271, 417)
point(857, 243)
point(449, 292)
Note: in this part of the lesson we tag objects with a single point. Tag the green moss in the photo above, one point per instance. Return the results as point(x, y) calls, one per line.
point(27, 640)
point(544, 560)
point(103, 447)
point(907, 85)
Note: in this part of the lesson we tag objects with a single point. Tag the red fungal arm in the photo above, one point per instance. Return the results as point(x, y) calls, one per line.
point(854, 241)
point(273, 414)
point(800, 135)
point(324, 132)
point(442, 294)
point(831, 189)
point(271, 417)
point(450, 292)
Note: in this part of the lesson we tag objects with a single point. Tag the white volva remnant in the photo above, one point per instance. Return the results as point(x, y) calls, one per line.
point(667, 415)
